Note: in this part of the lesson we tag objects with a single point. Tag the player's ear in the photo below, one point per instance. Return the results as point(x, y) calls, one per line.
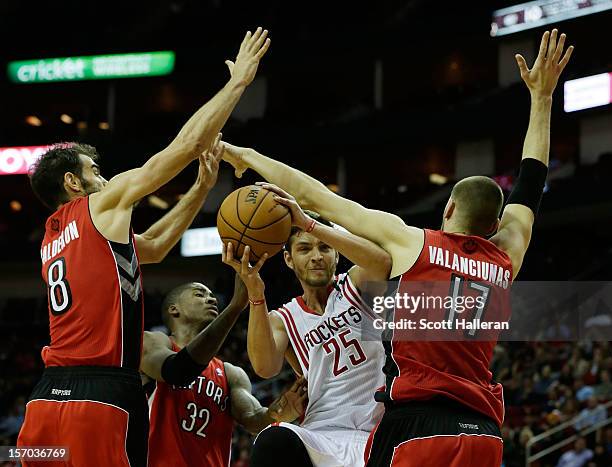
point(72, 183)
point(173, 311)
point(288, 259)
point(494, 228)
point(450, 208)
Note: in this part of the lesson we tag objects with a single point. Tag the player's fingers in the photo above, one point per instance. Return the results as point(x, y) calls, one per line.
point(253, 39)
point(230, 66)
point(552, 44)
point(543, 46)
point(263, 50)
point(559, 49)
point(260, 263)
point(244, 262)
point(566, 57)
point(260, 40)
point(223, 253)
point(522, 64)
point(245, 41)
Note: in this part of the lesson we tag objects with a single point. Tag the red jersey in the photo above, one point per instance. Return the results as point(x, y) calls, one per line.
point(192, 425)
point(458, 370)
point(94, 290)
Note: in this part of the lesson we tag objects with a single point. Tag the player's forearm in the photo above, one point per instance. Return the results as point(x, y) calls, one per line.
point(166, 232)
point(208, 342)
point(358, 250)
point(261, 346)
point(202, 128)
point(197, 135)
point(537, 140)
point(308, 191)
point(257, 420)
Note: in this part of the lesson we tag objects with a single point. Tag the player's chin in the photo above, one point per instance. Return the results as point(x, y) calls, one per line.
point(318, 278)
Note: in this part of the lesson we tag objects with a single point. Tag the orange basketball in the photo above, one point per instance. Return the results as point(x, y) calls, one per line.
point(250, 216)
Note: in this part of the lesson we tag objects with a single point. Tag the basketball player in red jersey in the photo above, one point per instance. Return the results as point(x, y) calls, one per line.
point(90, 398)
point(192, 422)
point(442, 409)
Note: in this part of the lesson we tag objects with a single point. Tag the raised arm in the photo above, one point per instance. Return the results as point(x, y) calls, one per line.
point(372, 263)
point(161, 363)
point(267, 340)
point(154, 244)
point(196, 136)
point(402, 242)
point(514, 233)
point(249, 413)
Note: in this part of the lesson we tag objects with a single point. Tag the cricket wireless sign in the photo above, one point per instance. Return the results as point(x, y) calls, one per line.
point(91, 67)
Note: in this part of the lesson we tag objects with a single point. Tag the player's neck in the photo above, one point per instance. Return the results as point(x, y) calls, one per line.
point(316, 298)
point(183, 335)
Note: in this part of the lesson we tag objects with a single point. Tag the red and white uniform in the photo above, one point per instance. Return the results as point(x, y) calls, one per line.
point(192, 425)
point(343, 373)
point(458, 370)
point(94, 290)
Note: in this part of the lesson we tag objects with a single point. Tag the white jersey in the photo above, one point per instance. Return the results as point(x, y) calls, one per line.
point(343, 372)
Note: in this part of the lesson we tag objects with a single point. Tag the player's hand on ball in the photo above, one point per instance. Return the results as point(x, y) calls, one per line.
point(298, 216)
point(209, 164)
point(543, 76)
point(290, 405)
point(252, 49)
point(249, 274)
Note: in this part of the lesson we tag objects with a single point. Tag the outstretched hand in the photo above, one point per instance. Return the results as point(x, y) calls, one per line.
point(234, 155)
point(298, 217)
point(209, 164)
point(252, 49)
point(290, 405)
point(249, 274)
point(542, 78)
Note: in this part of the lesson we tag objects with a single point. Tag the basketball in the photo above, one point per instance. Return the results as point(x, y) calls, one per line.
point(250, 216)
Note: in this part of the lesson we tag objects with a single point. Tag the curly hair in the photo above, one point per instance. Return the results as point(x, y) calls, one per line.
point(47, 174)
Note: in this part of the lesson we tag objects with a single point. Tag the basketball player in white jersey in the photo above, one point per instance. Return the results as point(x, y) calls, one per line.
point(318, 334)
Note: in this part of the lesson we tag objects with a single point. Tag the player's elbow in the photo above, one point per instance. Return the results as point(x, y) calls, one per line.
point(265, 369)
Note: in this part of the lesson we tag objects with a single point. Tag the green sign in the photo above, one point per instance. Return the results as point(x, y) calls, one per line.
point(92, 67)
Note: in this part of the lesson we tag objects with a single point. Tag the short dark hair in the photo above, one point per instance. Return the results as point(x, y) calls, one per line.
point(47, 174)
point(170, 299)
point(295, 230)
point(480, 200)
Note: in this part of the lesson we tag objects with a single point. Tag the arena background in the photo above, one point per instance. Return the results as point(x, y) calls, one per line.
point(388, 102)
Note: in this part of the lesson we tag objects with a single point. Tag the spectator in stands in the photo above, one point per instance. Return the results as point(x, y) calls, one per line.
point(600, 458)
point(583, 392)
point(11, 424)
point(577, 457)
point(543, 380)
point(603, 391)
point(592, 414)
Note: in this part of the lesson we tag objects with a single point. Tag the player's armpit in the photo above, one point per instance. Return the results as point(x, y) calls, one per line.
point(514, 233)
point(147, 250)
point(156, 347)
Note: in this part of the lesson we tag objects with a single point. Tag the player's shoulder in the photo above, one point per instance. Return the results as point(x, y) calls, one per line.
point(155, 339)
point(236, 376)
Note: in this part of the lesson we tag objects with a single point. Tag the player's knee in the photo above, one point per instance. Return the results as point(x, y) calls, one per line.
point(277, 442)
